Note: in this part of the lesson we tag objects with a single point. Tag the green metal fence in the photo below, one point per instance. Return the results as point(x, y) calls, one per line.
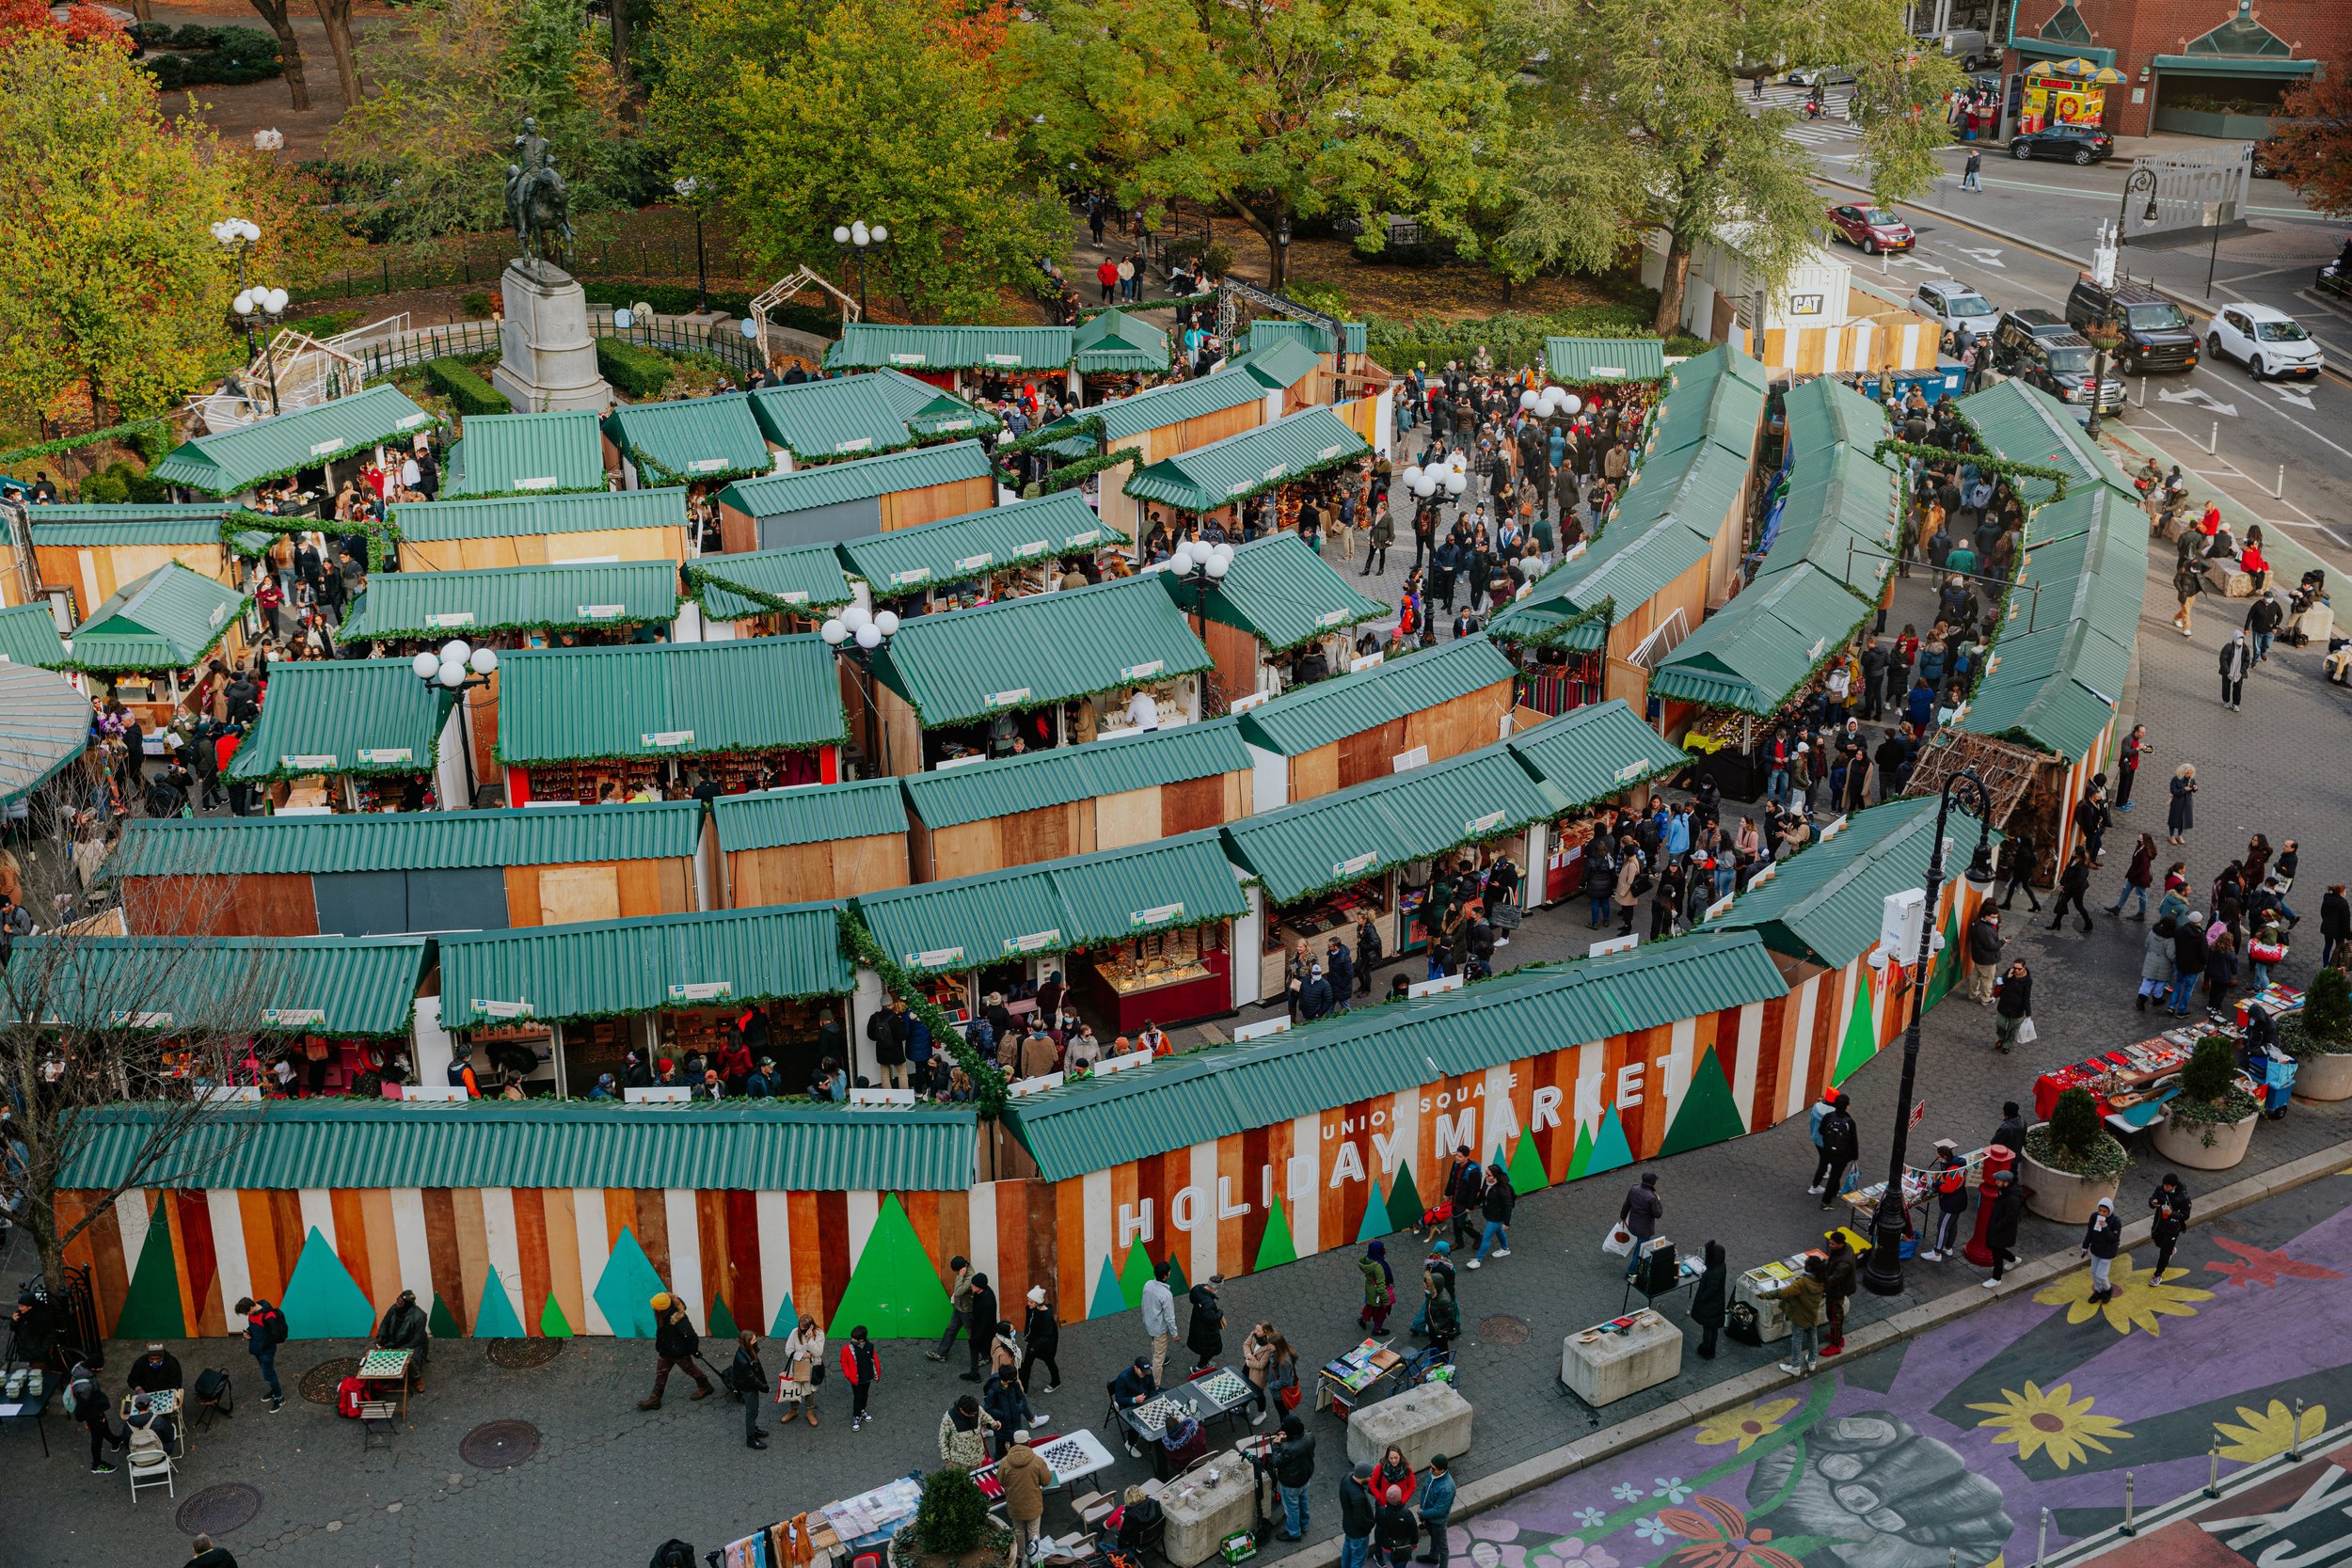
point(457, 339)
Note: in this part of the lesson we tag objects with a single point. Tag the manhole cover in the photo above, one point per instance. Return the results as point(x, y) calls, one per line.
point(320, 1382)
point(217, 1510)
point(499, 1445)
point(1502, 1331)
point(518, 1354)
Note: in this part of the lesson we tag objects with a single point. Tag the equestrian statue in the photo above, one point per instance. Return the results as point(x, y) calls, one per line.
point(537, 204)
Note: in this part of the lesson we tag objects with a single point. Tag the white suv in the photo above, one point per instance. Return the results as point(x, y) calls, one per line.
point(2269, 342)
point(1953, 305)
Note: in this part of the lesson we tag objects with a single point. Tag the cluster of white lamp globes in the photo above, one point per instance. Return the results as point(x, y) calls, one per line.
point(857, 623)
point(267, 302)
point(1210, 560)
point(1452, 475)
point(859, 234)
point(451, 665)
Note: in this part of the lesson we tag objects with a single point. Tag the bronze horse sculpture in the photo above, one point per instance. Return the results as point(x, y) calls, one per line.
point(537, 204)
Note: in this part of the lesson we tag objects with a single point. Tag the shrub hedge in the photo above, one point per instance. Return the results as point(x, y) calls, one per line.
point(466, 390)
point(227, 55)
point(638, 372)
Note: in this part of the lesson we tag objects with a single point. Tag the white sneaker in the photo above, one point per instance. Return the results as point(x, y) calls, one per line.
point(1259, 1419)
point(1792, 1368)
point(1502, 1252)
point(1815, 1189)
point(1473, 1262)
point(1992, 1284)
point(1930, 1258)
point(1039, 1418)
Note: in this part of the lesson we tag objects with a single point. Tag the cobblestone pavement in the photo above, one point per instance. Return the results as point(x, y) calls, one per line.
point(608, 1482)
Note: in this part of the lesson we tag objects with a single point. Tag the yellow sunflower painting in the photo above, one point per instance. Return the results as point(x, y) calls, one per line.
point(2053, 1422)
point(2140, 1301)
point(2268, 1432)
point(1747, 1424)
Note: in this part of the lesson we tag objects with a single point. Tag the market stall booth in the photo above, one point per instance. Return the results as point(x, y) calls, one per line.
point(506, 454)
point(299, 458)
point(588, 724)
point(853, 499)
point(1599, 759)
point(1710, 416)
point(340, 1013)
point(354, 735)
point(1026, 547)
point(542, 530)
point(147, 641)
point(993, 362)
point(768, 593)
point(1235, 1158)
point(701, 443)
point(985, 816)
point(1031, 673)
point(2065, 92)
point(815, 841)
point(299, 876)
point(1279, 618)
point(1157, 424)
point(538, 1219)
point(1295, 375)
point(1112, 354)
point(578, 998)
point(44, 726)
point(1292, 457)
point(1375, 849)
point(813, 422)
point(1141, 935)
point(1385, 718)
point(1825, 911)
point(89, 552)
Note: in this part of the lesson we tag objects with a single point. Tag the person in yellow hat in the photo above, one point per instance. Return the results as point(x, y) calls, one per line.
point(674, 1344)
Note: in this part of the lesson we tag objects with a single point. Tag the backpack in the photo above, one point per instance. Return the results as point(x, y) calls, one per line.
point(273, 1324)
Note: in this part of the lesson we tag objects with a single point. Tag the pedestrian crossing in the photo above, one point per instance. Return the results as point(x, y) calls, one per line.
point(1833, 130)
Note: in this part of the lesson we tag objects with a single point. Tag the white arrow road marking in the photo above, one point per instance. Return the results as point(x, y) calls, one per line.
point(2200, 397)
point(1989, 258)
point(2300, 399)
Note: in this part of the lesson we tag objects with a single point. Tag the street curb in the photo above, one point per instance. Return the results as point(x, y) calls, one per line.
point(1488, 1491)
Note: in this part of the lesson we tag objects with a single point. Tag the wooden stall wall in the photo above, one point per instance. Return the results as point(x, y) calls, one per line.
point(541, 549)
point(513, 1262)
point(1235, 655)
point(1117, 821)
point(932, 502)
point(1448, 730)
point(94, 572)
point(798, 873)
point(605, 890)
point(276, 904)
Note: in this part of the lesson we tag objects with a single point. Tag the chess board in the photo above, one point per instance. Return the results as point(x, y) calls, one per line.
point(1225, 1387)
point(384, 1364)
point(1153, 1413)
point(1065, 1455)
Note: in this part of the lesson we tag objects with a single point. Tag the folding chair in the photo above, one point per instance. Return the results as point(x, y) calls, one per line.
point(376, 1421)
point(214, 1396)
point(149, 1467)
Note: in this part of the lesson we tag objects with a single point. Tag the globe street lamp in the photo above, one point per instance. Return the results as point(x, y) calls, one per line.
point(1883, 1274)
point(857, 635)
point(456, 667)
point(1202, 567)
point(257, 307)
point(238, 236)
point(854, 238)
point(686, 189)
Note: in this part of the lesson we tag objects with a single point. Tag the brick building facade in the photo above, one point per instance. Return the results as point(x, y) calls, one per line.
point(2213, 68)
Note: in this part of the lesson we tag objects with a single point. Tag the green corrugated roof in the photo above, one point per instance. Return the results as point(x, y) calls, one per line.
point(1717, 397)
point(1362, 830)
point(774, 495)
point(1280, 591)
point(928, 411)
point(513, 598)
point(668, 699)
point(1039, 649)
point(692, 438)
point(233, 985)
point(1285, 362)
point(1202, 1095)
point(503, 453)
point(29, 635)
point(871, 345)
point(1824, 411)
point(1116, 341)
point(810, 814)
point(1241, 465)
point(510, 517)
point(1269, 330)
point(612, 967)
point(802, 579)
point(236, 460)
point(1839, 516)
point(1085, 902)
point(909, 559)
point(1753, 655)
point(407, 840)
point(2027, 425)
point(1307, 717)
point(168, 620)
point(743, 1144)
point(343, 715)
point(83, 526)
point(840, 417)
point(44, 723)
point(1171, 403)
point(951, 797)
point(1596, 752)
point(1825, 904)
point(1582, 361)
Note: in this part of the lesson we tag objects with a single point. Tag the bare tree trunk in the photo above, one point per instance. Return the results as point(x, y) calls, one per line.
point(142, 10)
point(620, 38)
point(1671, 287)
point(289, 49)
point(335, 15)
point(1277, 258)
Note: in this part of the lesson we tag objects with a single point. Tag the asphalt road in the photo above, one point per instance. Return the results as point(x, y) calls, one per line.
point(2283, 450)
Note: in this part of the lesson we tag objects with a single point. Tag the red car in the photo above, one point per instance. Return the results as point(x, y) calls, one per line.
point(1874, 228)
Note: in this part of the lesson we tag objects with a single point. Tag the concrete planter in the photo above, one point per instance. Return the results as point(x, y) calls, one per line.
point(2324, 1078)
point(2184, 1144)
point(2061, 1195)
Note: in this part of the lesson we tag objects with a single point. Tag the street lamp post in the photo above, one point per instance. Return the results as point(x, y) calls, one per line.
point(257, 307)
point(857, 635)
point(1283, 249)
point(238, 236)
point(686, 189)
point(1201, 567)
point(1883, 1274)
point(854, 238)
point(2139, 181)
point(459, 667)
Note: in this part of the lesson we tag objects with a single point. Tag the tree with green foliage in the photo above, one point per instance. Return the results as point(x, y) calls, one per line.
point(112, 291)
point(1631, 118)
point(451, 88)
point(1272, 111)
point(871, 110)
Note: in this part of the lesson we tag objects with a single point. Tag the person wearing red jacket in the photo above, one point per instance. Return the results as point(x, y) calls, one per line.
point(861, 1368)
point(1107, 274)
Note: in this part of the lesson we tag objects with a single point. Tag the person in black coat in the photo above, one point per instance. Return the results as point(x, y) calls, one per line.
point(2010, 1135)
point(1842, 1145)
point(980, 1315)
point(2103, 1238)
point(1205, 1336)
point(1040, 1341)
point(1707, 1300)
point(2000, 1233)
point(2335, 925)
point(1394, 1531)
point(2170, 1206)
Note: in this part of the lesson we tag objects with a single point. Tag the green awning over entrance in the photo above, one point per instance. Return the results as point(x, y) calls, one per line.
point(168, 620)
point(1243, 465)
point(691, 439)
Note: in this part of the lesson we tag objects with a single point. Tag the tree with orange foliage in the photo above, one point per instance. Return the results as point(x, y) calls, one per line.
point(83, 24)
point(2310, 145)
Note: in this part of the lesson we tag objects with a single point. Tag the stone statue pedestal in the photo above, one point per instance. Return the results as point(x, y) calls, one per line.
point(546, 356)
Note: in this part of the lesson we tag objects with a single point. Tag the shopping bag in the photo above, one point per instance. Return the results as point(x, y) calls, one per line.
point(2026, 1033)
point(1617, 1241)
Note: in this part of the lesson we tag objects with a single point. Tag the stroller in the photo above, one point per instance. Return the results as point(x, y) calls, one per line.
point(1430, 1364)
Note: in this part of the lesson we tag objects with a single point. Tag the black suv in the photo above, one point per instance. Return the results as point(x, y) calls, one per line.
point(2157, 334)
point(2039, 349)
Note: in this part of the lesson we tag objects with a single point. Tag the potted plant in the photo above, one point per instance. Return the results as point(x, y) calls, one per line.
point(2071, 1160)
point(2210, 1122)
point(951, 1527)
point(2320, 1039)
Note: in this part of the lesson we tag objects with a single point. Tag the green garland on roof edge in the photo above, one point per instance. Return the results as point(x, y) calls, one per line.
point(1261, 486)
point(1374, 613)
point(1983, 458)
point(72, 443)
point(379, 535)
point(1034, 703)
point(988, 1083)
point(111, 672)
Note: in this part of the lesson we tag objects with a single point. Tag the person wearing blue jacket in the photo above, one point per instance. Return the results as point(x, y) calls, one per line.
point(1436, 1507)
